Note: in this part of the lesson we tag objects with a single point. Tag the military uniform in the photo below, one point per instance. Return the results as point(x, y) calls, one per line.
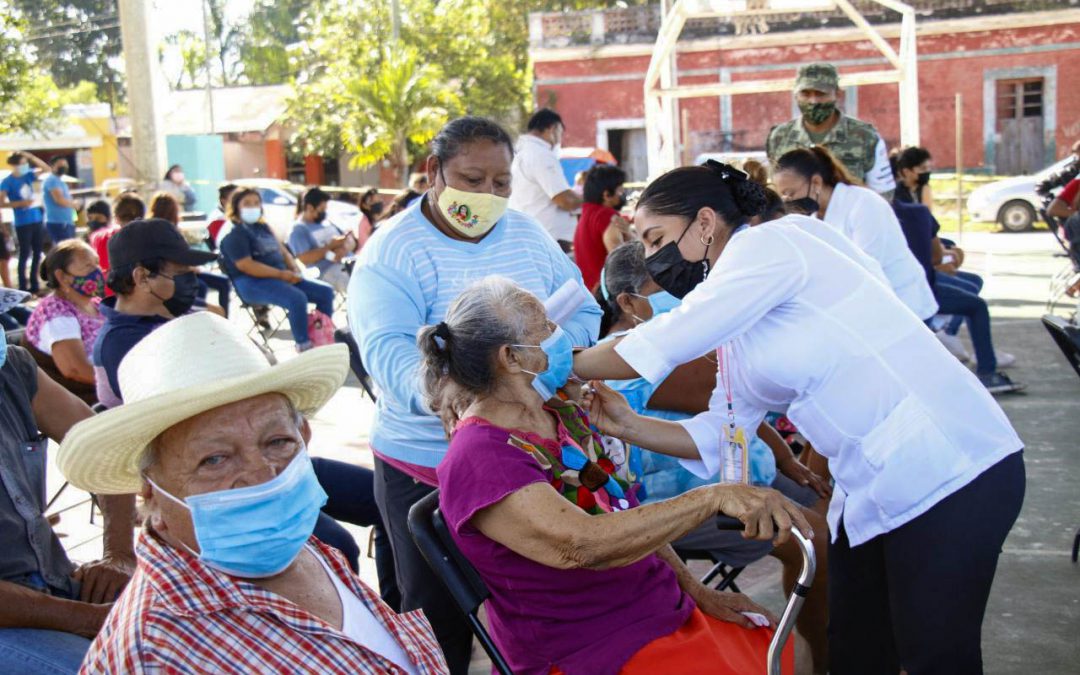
point(856, 144)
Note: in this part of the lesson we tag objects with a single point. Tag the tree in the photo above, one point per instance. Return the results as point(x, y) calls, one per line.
point(191, 49)
point(405, 101)
point(76, 41)
point(270, 31)
point(29, 99)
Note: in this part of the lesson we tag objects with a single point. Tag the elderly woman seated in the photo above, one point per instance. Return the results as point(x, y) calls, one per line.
point(582, 579)
point(229, 578)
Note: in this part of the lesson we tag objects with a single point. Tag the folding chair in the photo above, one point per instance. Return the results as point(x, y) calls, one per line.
point(343, 336)
point(1066, 336)
point(725, 573)
point(259, 315)
point(432, 537)
point(97, 409)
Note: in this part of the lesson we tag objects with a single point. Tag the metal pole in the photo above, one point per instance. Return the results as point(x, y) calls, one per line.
point(206, 63)
point(146, 142)
point(395, 19)
point(960, 167)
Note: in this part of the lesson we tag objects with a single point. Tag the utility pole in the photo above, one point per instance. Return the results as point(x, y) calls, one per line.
point(146, 143)
point(206, 63)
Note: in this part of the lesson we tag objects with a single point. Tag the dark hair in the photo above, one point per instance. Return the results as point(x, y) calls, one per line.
point(624, 272)
point(448, 143)
point(543, 119)
point(774, 207)
point(402, 201)
point(314, 197)
point(15, 158)
point(99, 207)
point(163, 205)
point(600, 179)
point(59, 257)
point(233, 213)
point(816, 161)
point(172, 168)
point(688, 189)
point(225, 190)
point(909, 158)
point(128, 207)
point(462, 349)
point(121, 277)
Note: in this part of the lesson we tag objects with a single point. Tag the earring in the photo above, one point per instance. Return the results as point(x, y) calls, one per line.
point(710, 240)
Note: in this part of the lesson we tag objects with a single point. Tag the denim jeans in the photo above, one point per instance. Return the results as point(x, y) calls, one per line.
point(35, 651)
point(952, 299)
point(294, 298)
point(972, 283)
point(31, 241)
point(212, 281)
point(58, 232)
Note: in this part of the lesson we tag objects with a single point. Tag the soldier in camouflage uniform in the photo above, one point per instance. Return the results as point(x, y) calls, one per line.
point(855, 143)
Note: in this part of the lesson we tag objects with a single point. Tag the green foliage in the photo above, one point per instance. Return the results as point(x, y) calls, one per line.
point(83, 93)
point(29, 98)
point(264, 44)
point(76, 41)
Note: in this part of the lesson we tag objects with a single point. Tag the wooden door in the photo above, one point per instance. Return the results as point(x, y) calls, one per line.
point(1020, 145)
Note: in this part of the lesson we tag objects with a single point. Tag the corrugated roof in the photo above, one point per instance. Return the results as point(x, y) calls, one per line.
point(236, 110)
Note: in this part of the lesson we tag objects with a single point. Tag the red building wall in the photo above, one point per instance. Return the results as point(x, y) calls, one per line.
point(949, 64)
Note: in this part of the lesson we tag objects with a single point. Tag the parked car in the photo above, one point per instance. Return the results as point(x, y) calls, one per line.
point(280, 197)
point(1011, 202)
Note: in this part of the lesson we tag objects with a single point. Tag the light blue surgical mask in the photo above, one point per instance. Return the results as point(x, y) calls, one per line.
point(250, 214)
point(256, 531)
point(560, 358)
point(3, 349)
point(22, 169)
point(663, 302)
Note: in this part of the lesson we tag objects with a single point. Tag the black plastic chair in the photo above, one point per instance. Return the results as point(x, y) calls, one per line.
point(1066, 336)
point(432, 537)
point(725, 573)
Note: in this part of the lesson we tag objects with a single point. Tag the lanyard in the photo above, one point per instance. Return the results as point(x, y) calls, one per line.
point(722, 366)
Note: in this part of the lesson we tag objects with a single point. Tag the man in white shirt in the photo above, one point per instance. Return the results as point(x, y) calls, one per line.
point(540, 188)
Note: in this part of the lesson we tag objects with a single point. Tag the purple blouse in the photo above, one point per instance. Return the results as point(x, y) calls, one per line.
point(585, 622)
point(55, 319)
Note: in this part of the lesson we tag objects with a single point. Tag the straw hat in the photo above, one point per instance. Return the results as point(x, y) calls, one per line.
point(188, 366)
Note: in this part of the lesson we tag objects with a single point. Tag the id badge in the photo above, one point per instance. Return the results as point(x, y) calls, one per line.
point(734, 454)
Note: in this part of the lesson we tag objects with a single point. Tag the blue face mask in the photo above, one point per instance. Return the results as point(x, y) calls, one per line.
point(250, 214)
point(256, 531)
point(560, 358)
point(22, 170)
point(663, 302)
point(3, 349)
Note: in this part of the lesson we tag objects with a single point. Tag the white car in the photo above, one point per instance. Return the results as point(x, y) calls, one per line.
point(1011, 202)
point(279, 198)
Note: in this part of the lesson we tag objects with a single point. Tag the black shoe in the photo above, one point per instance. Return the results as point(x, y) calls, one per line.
point(999, 383)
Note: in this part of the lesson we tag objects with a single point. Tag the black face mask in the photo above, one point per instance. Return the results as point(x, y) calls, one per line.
point(60, 169)
point(803, 206)
point(320, 216)
point(923, 179)
point(376, 208)
point(621, 203)
point(185, 290)
point(674, 273)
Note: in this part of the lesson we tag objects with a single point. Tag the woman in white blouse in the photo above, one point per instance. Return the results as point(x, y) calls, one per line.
point(916, 445)
point(812, 181)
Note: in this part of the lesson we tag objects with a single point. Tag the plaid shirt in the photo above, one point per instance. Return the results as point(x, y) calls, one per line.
point(179, 616)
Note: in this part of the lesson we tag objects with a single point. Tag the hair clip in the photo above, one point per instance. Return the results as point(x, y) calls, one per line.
point(726, 171)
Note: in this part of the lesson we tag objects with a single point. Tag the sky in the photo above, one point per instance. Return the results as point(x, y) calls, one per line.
point(171, 16)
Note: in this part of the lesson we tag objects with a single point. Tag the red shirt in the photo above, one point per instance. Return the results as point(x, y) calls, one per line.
point(99, 239)
point(179, 616)
point(589, 250)
point(1068, 195)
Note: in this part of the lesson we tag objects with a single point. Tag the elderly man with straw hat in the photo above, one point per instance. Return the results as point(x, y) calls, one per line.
point(229, 578)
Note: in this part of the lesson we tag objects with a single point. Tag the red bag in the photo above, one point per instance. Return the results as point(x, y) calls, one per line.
point(320, 328)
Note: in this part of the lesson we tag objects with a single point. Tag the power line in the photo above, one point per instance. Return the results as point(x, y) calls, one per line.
point(89, 19)
point(69, 33)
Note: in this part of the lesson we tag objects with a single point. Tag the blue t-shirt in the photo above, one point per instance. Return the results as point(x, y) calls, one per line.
point(118, 335)
point(54, 213)
point(306, 236)
point(21, 188)
point(250, 241)
point(920, 227)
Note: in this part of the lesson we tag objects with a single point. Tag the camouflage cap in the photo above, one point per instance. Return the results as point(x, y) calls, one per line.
point(817, 76)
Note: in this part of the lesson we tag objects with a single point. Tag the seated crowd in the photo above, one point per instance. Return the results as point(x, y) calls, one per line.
point(577, 502)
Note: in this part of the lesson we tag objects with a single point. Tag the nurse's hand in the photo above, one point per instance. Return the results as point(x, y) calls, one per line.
point(765, 512)
point(608, 409)
point(801, 474)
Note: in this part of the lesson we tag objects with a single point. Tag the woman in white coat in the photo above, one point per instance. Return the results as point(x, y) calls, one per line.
point(813, 182)
point(929, 473)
